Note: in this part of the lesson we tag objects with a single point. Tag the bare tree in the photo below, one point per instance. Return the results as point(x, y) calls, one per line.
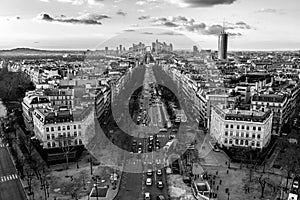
point(262, 181)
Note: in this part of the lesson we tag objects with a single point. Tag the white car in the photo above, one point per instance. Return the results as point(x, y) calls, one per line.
point(148, 181)
point(296, 185)
point(159, 172)
point(147, 196)
point(139, 150)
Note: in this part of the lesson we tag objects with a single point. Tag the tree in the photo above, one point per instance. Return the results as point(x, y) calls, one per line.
point(262, 181)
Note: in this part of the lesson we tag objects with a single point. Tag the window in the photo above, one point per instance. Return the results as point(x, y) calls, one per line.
point(258, 136)
point(225, 141)
point(242, 134)
point(79, 126)
point(230, 141)
point(58, 128)
point(247, 127)
point(75, 134)
point(63, 128)
point(237, 134)
point(231, 133)
point(253, 135)
point(243, 127)
point(238, 127)
point(74, 126)
point(69, 134)
point(52, 136)
point(231, 126)
point(252, 144)
point(68, 127)
point(47, 129)
point(80, 141)
point(246, 142)
point(258, 144)
point(64, 134)
point(48, 144)
point(259, 128)
point(247, 135)
point(53, 144)
point(76, 142)
point(242, 142)
point(48, 137)
point(226, 126)
point(52, 129)
point(236, 141)
point(254, 128)
point(59, 144)
point(226, 133)
point(79, 133)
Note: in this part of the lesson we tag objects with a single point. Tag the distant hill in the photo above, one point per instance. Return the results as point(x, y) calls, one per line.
point(37, 52)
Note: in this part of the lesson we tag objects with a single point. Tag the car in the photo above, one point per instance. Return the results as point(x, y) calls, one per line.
point(150, 138)
point(160, 197)
point(149, 172)
point(295, 185)
point(134, 143)
point(140, 145)
point(160, 185)
point(147, 196)
point(150, 148)
point(140, 150)
point(148, 181)
point(159, 172)
point(157, 148)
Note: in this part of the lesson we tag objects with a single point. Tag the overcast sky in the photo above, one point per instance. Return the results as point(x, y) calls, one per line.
point(90, 24)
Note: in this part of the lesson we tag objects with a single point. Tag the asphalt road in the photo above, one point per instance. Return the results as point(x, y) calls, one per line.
point(10, 185)
point(133, 185)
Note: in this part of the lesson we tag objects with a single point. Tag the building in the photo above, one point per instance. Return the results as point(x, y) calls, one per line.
point(278, 103)
point(57, 128)
point(244, 90)
point(222, 45)
point(243, 128)
point(31, 101)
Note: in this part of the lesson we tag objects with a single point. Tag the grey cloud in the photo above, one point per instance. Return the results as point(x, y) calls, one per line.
point(169, 33)
point(170, 24)
point(121, 12)
point(204, 3)
point(271, 10)
point(129, 30)
point(144, 17)
point(89, 19)
point(147, 33)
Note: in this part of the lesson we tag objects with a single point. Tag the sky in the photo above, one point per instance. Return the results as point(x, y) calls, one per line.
point(93, 24)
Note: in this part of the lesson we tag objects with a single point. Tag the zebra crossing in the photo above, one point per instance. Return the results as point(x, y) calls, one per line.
point(8, 178)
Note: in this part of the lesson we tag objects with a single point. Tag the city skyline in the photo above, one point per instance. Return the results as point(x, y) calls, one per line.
point(84, 24)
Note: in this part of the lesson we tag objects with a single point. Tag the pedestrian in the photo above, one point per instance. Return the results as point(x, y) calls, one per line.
point(220, 182)
point(227, 171)
point(216, 172)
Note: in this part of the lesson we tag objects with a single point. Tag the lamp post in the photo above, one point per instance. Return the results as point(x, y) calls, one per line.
point(45, 187)
point(95, 178)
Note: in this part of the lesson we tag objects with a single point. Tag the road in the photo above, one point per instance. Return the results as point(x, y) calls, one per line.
point(10, 185)
point(133, 185)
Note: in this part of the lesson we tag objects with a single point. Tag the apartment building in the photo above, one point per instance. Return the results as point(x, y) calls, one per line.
point(56, 128)
point(243, 128)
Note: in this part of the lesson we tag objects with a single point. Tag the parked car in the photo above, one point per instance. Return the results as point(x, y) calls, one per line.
point(147, 196)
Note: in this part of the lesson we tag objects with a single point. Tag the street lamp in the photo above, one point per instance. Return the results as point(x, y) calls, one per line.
point(45, 187)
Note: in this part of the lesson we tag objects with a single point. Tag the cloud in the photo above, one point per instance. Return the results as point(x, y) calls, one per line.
point(146, 2)
point(10, 18)
point(77, 2)
point(141, 10)
point(144, 17)
point(190, 25)
point(271, 10)
point(121, 12)
point(147, 33)
point(89, 19)
point(169, 33)
point(199, 3)
point(129, 30)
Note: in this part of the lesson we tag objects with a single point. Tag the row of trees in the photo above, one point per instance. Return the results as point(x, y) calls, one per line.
point(13, 85)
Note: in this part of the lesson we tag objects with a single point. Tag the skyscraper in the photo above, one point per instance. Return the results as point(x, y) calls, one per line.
point(222, 45)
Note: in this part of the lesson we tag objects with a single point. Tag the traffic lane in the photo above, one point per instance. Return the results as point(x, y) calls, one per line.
point(153, 189)
point(12, 190)
point(6, 164)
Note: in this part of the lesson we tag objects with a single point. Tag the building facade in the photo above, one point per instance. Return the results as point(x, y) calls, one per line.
point(243, 128)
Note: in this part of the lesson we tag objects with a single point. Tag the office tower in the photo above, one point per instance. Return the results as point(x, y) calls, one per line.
point(222, 45)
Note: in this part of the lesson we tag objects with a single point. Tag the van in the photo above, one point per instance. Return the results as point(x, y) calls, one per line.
point(160, 197)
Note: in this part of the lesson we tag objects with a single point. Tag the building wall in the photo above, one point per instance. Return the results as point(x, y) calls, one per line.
point(240, 133)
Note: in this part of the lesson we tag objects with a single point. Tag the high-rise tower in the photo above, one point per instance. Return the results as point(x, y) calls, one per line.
point(222, 45)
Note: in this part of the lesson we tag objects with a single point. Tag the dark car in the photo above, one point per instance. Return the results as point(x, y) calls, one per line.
point(160, 197)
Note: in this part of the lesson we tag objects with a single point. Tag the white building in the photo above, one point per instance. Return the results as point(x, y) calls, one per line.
point(64, 127)
point(244, 128)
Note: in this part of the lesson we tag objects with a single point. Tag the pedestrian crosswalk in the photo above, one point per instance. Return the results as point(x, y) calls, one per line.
point(8, 177)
